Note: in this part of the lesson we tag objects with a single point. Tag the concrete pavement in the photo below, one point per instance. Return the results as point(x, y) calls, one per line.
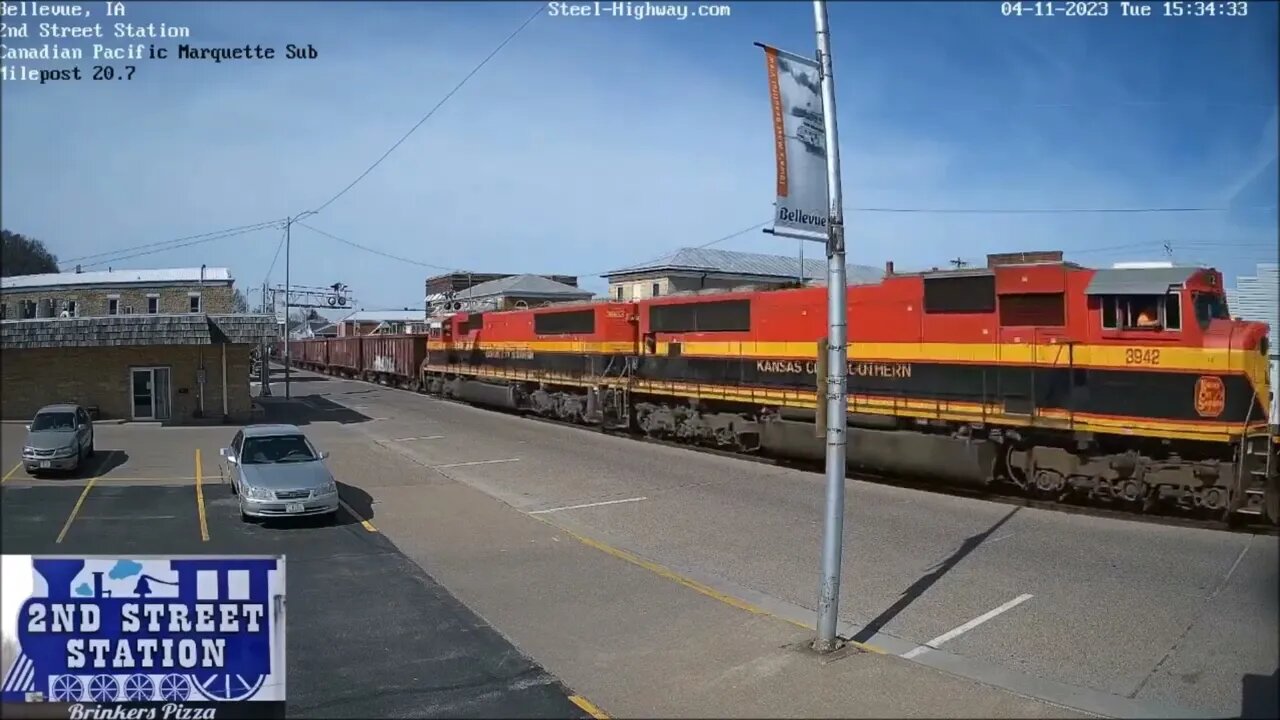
point(1112, 617)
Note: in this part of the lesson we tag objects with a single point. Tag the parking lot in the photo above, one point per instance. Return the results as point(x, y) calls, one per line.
point(370, 633)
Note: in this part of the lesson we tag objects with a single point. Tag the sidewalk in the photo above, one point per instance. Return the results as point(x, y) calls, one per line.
point(638, 639)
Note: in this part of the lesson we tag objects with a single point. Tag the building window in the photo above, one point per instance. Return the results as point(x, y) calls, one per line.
point(4, 311)
point(27, 310)
point(153, 304)
point(113, 306)
point(193, 302)
point(69, 309)
point(619, 293)
point(655, 290)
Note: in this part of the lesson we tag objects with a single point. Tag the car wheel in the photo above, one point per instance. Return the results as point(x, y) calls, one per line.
point(91, 450)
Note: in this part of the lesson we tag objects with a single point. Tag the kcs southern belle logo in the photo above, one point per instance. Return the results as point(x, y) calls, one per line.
point(161, 632)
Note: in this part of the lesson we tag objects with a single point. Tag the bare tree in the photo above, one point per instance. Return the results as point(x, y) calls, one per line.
point(8, 654)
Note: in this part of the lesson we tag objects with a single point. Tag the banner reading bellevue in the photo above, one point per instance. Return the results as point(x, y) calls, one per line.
point(800, 143)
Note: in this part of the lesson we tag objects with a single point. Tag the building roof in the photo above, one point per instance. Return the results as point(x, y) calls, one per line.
point(523, 286)
point(136, 330)
point(1138, 281)
point(729, 262)
point(116, 277)
point(380, 316)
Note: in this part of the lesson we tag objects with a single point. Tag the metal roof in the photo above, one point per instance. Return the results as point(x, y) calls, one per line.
point(728, 262)
point(523, 286)
point(1138, 281)
point(116, 277)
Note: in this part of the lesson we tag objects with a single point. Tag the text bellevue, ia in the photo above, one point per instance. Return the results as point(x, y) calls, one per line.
point(141, 644)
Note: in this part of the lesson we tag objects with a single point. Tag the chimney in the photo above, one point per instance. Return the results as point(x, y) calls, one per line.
point(888, 268)
point(77, 269)
point(202, 274)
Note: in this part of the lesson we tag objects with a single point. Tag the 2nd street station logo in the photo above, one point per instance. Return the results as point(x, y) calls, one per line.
point(163, 631)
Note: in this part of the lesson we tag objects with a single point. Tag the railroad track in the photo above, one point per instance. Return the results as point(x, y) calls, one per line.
point(915, 483)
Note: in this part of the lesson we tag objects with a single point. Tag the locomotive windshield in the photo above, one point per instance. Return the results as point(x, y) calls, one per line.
point(1210, 307)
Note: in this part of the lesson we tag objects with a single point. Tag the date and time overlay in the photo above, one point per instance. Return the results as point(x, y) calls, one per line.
point(49, 43)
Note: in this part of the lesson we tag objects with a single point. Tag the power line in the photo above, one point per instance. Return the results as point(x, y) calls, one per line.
point(358, 246)
point(433, 110)
point(718, 240)
point(223, 236)
point(279, 246)
point(227, 232)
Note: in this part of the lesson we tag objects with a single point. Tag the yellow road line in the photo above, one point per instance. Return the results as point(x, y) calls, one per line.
point(692, 584)
point(588, 707)
point(71, 518)
point(11, 472)
point(204, 523)
point(367, 525)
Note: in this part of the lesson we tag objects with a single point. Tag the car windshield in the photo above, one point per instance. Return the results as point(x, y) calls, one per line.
point(277, 449)
point(53, 421)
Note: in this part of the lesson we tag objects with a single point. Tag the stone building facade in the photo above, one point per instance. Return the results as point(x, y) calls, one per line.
point(118, 292)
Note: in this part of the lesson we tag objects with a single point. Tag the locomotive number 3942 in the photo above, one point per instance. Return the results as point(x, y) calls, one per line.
point(1141, 356)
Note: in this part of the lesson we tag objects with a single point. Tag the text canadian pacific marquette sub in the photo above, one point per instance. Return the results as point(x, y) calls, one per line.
point(53, 51)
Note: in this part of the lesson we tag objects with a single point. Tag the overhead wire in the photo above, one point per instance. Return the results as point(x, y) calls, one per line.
point(375, 251)
point(175, 242)
point(128, 256)
point(438, 105)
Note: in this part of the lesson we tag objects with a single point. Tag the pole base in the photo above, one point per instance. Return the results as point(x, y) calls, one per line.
point(826, 647)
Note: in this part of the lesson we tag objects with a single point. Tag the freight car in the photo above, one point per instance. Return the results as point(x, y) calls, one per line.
point(1128, 386)
point(394, 360)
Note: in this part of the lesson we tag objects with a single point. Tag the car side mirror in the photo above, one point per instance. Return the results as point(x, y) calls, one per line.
point(324, 454)
point(228, 455)
point(28, 427)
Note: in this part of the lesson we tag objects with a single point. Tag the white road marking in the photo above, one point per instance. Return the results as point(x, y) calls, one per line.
point(996, 540)
point(954, 633)
point(587, 505)
point(477, 462)
point(424, 437)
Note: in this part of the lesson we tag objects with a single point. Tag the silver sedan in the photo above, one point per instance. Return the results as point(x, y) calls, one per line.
point(275, 471)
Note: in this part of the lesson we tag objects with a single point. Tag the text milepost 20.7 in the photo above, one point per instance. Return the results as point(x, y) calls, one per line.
point(137, 52)
point(1125, 8)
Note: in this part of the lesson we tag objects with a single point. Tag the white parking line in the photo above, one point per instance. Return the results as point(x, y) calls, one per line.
point(477, 462)
point(952, 634)
point(424, 437)
point(595, 504)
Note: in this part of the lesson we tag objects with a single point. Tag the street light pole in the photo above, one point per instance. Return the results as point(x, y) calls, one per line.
point(837, 355)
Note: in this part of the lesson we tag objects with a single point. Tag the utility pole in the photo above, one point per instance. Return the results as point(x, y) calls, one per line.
point(288, 224)
point(837, 355)
point(264, 351)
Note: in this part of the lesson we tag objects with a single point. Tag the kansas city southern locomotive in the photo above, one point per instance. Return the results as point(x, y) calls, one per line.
point(1131, 387)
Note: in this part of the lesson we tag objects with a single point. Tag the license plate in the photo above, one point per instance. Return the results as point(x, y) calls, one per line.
point(44, 463)
point(294, 507)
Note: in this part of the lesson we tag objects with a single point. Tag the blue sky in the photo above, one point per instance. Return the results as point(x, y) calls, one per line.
point(595, 143)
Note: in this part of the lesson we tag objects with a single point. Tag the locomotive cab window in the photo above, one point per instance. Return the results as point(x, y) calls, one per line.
point(1210, 307)
point(1142, 312)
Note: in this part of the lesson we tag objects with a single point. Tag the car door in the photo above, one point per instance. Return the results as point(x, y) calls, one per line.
point(232, 471)
point(84, 434)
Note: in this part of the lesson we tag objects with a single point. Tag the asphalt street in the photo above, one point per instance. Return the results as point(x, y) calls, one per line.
point(1176, 619)
point(370, 633)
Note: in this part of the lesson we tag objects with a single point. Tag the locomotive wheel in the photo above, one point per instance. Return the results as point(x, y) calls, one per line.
point(1273, 504)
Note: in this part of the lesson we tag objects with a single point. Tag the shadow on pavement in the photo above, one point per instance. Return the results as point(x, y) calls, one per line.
point(102, 462)
point(1260, 696)
point(307, 409)
point(356, 499)
point(927, 580)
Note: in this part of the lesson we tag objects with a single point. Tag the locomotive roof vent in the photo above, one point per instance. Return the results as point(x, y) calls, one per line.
point(1024, 258)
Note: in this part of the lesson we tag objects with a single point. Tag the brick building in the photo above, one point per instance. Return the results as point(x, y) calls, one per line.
point(160, 345)
point(117, 292)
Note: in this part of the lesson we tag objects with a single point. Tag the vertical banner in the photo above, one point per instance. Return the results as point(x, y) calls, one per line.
point(143, 637)
point(800, 145)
